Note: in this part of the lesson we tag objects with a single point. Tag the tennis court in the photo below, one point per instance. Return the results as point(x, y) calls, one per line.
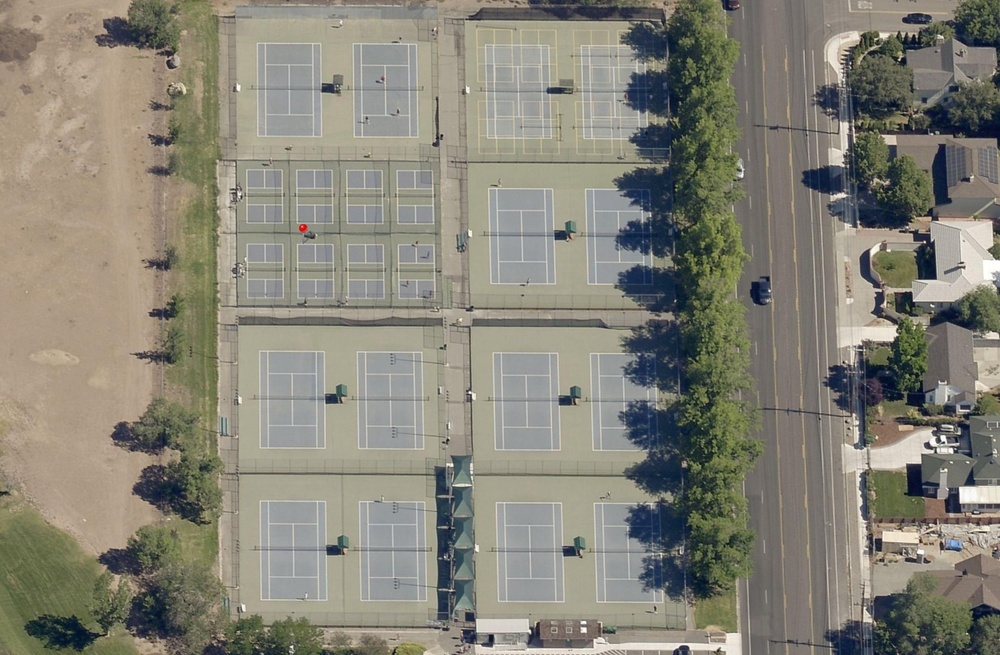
point(612, 82)
point(313, 196)
point(390, 409)
point(292, 401)
point(293, 550)
point(393, 551)
point(415, 197)
point(385, 94)
point(364, 191)
point(614, 396)
point(365, 271)
point(522, 236)
point(623, 563)
point(529, 553)
point(288, 89)
point(618, 235)
point(526, 401)
point(314, 276)
point(518, 77)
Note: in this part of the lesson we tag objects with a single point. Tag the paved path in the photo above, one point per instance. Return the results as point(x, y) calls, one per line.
point(901, 453)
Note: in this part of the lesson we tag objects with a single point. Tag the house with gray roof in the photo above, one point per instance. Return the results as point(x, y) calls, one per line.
point(951, 377)
point(965, 173)
point(974, 581)
point(962, 262)
point(967, 482)
point(940, 68)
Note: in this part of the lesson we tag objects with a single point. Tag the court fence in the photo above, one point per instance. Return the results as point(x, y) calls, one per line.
point(555, 467)
point(663, 619)
point(424, 466)
point(557, 301)
point(277, 154)
point(628, 155)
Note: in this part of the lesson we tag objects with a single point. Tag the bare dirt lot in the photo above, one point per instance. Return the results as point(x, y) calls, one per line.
point(77, 223)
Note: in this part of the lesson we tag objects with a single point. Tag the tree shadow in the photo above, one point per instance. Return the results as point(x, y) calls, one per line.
point(648, 42)
point(659, 474)
point(159, 170)
point(655, 345)
point(116, 33)
point(61, 632)
point(849, 639)
point(649, 287)
point(653, 141)
point(154, 487)
point(646, 426)
point(160, 140)
point(825, 179)
point(838, 380)
point(648, 188)
point(660, 529)
point(647, 92)
point(827, 98)
point(156, 105)
point(119, 561)
point(153, 356)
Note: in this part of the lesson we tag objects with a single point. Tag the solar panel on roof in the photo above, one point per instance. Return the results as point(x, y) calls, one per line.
point(955, 164)
point(988, 166)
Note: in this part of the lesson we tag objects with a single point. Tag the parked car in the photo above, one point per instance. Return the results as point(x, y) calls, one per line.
point(731, 5)
point(918, 19)
point(740, 169)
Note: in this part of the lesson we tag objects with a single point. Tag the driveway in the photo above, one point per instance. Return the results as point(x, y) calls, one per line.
point(901, 453)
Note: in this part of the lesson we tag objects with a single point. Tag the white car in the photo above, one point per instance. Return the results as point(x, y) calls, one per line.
point(740, 169)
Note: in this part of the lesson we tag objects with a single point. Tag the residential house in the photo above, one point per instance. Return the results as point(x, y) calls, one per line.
point(962, 262)
point(950, 380)
point(939, 69)
point(974, 581)
point(967, 483)
point(965, 173)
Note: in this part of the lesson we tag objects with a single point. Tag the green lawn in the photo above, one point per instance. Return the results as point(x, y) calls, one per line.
point(43, 571)
point(887, 491)
point(898, 268)
point(879, 356)
point(719, 611)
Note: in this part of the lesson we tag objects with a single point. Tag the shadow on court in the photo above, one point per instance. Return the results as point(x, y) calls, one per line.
point(660, 529)
point(648, 286)
point(58, 632)
point(649, 189)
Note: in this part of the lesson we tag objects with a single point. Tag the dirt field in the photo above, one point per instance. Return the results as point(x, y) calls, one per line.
point(77, 224)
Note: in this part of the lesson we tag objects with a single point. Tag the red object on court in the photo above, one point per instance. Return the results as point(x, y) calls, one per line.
point(303, 227)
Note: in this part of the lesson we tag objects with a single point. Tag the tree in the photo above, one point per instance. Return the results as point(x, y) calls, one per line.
point(306, 638)
point(173, 345)
point(192, 489)
point(873, 392)
point(174, 305)
point(111, 605)
point(152, 24)
point(880, 86)
point(920, 622)
point(369, 644)
point(974, 108)
point(930, 34)
point(979, 310)
point(908, 356)
point(892, 47)
point(182, 601)
point(986, 635)
point(867, 159)
point(978, 22)
point(908, 192)
point(153, 546)
point(246, 636)
point(164, 424)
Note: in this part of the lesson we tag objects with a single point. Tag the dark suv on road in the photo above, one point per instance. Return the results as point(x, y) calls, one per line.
point(918, 19)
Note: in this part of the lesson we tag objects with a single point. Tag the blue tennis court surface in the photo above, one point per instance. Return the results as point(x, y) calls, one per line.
point(289, 82)
point(293, 550)
point(386, 86)
point(618, 236)
point(517, 81)
point(615, 395)
point(522, 236)
point(292, 400)
point(526, 401)
point(391, 407)
point(628, 571)
point(529, 553)
point(314, 196)
point(393, 551)
point(366, 271)
point(614, 92)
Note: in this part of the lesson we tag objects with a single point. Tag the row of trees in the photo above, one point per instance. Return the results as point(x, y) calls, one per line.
point(714, 422)
point(188, 484)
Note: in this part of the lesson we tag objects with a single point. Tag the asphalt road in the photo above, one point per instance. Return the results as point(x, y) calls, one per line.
point(805, 588)
point(799, 594)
